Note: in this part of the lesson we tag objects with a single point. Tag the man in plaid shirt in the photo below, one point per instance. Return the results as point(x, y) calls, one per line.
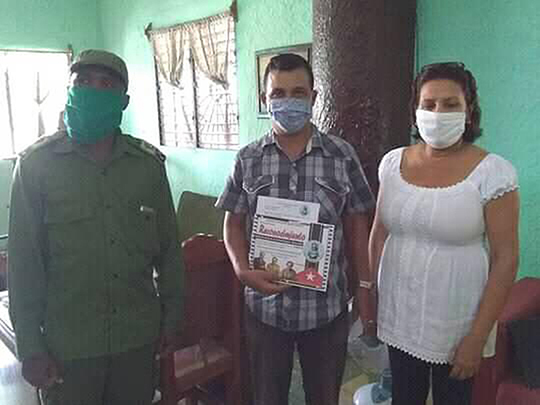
point(295, 161)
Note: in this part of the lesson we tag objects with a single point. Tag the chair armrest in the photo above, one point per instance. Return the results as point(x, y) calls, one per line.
point(523, 302)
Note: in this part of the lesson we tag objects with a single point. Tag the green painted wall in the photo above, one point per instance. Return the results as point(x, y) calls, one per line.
point(500, 43)
point(261, 24)
point(43, 24)
point(48, 24)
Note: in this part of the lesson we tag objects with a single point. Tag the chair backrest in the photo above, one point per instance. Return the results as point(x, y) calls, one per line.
point(196, 214)
point(213, 294)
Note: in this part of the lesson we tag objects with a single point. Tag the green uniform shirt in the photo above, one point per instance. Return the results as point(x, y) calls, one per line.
point(84, 239)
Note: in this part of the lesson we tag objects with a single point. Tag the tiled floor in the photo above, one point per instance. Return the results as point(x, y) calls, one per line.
point(13, 389)
point(353, 379)
point(361, 368)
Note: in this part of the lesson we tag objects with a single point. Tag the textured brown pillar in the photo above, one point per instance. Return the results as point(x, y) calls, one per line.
point(363, 54)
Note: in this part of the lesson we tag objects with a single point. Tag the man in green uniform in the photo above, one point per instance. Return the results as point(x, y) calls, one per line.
point(91, 223)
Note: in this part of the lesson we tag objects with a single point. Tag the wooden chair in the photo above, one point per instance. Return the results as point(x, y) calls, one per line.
point(210, 341)
point(196, 213)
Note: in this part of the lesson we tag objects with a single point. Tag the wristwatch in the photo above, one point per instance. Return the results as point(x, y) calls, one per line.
point(365, 284)
point(370, 322)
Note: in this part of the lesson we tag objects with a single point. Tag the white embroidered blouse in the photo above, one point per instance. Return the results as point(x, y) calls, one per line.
point(435, 262)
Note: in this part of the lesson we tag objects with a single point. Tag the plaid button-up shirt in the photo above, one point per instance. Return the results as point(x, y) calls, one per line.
point(328, 173)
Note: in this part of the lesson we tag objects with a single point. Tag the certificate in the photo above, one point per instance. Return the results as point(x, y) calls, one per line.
point(298, 252)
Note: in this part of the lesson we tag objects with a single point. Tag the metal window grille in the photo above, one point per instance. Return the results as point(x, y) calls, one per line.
point(32, 96)
point(201, 113)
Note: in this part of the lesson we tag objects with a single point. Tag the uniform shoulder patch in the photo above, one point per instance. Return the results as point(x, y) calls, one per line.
point(146, 147)
point(41, 143)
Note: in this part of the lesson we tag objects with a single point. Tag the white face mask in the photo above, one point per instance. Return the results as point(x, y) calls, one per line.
point(440, 130)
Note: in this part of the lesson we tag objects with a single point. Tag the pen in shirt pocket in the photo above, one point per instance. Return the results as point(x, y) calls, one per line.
point(146, 210)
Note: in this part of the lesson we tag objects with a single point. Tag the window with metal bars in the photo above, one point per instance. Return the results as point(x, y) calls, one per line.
point(33, 89)
point(199, 113)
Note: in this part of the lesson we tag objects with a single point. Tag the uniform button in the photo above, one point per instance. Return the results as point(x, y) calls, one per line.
point(112, 241)
point(108, 206)
point(114, 311)
point(115, 275)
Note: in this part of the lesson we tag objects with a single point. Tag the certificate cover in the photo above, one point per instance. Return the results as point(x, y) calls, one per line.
point(299, 252)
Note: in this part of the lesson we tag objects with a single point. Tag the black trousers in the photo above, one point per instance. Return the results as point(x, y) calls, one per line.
point(322, 354)
point(411, 380)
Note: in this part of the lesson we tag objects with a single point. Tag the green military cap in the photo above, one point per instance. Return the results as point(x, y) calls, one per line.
point(101, 58)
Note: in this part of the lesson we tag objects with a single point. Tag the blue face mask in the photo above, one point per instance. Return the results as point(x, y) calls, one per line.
point(93, 114)
point(290, 114)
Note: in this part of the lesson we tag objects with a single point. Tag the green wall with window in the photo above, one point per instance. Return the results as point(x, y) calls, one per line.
point(261, 24)
point(500, 42)
point(43, 24)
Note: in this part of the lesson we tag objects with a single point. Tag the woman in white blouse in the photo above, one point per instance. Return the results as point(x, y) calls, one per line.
point(444, 243)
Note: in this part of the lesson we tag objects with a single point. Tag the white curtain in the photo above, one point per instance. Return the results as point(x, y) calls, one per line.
point(209, 40)
point(169, 46)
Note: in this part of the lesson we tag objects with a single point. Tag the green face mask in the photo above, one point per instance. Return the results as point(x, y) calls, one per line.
point(93, 114)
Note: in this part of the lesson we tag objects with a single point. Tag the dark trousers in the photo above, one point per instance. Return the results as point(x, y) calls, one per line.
point(119, 379)
point(411, 380)
point(322, 354)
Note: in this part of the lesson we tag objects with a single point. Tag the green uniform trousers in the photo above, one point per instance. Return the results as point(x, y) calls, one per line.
point(119, 379)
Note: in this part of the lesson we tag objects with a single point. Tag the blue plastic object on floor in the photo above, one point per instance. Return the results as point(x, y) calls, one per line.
point(379, 393)
point(382, 391)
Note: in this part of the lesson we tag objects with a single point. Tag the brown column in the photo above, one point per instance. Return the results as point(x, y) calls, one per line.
point(363, 55)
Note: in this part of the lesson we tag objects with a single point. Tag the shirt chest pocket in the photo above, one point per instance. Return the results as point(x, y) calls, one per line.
point(142, 231)
point(68, 223)
point(68, 212)
point(258, 186)
point(331, 194)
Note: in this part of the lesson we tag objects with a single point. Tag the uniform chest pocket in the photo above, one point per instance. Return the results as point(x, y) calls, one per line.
point(67, 212)
point(332, 196)
point(69, 224)
point(256, 186)
point(144, 232)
